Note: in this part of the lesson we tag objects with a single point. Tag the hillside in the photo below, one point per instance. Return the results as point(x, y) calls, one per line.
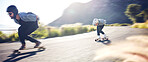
point(111, 10)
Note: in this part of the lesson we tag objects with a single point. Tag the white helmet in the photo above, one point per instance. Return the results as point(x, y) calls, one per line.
point(95, 21)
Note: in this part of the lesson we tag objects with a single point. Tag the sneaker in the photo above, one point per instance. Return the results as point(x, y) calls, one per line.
point(105, 38)
point(98, 39)
point(22, 48)
point(104, 35)
point(37, 44)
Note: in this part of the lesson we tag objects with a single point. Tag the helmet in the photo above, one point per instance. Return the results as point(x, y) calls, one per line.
point(12, 8)
point(95, 21)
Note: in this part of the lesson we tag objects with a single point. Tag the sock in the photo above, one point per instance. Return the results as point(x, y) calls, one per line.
point(99, 37)
point(104, 35)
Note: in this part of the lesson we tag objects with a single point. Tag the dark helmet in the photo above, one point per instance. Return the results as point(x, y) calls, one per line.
point(12, 8)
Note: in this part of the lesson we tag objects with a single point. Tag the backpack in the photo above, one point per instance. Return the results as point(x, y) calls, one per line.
point(100, 21)
point(28, 17)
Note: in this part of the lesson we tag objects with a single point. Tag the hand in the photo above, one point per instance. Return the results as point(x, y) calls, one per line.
point(37, 18)
point(96, 24)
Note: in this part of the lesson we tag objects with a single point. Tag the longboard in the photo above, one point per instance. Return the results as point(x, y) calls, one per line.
point(16, 52)
point(104, 41)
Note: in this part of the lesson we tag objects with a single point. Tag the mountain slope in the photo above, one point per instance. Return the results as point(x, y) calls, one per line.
point(111, 10)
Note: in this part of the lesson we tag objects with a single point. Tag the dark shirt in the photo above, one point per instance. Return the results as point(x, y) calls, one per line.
point(28, 24)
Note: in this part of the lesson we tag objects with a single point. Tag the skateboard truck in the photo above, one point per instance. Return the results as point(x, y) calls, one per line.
point(105, 41)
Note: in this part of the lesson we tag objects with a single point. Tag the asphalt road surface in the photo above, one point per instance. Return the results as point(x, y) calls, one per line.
point(74, 48)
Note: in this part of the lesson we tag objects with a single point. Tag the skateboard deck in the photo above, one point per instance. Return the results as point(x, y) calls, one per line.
point(104, 41)
point(17, 52)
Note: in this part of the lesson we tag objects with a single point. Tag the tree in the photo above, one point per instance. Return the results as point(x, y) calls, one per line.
point(143, 16)
point(132, 10)
point(145, 12)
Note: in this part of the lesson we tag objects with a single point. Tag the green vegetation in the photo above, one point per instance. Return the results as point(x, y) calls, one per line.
point(49, 32)
point(8, 38)
point(139, 18)
point(140, 25)
point(13, 37)
point(2, 37)
point(72, 29)
point(53, 32)
point(117, 24)
point(41, 32)
point(132, 10)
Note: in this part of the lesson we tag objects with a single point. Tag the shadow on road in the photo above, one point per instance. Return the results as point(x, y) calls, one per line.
point(22, 56)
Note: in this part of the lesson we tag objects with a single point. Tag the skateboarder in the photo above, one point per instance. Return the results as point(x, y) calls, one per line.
point(28, 23)
point(100, 24)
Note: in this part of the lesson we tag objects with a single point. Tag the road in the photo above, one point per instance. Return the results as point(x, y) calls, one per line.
point(74, 48)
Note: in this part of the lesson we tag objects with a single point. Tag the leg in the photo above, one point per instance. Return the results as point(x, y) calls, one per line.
point(28, 32)
point(21, 37)
point(98, 30)
point(25, 30)
point(29, 29)
point(31, 39)
point(101, 27)
point(102, 31)
point(98, 33)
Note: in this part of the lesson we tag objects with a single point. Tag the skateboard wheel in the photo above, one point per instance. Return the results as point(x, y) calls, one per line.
point(15, 51)
point(106, 42)
point(19, 52)
point(97, 40)
point(41, 49)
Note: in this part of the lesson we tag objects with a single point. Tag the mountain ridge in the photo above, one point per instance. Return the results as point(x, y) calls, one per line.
point(111, 10)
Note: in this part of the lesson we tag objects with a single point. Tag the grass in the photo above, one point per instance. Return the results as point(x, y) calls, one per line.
point(118, 24)
point(49, 32)
point(64, 30)
point(140, 25)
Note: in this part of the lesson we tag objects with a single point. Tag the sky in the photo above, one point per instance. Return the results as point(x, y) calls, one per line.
point(47, 10)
